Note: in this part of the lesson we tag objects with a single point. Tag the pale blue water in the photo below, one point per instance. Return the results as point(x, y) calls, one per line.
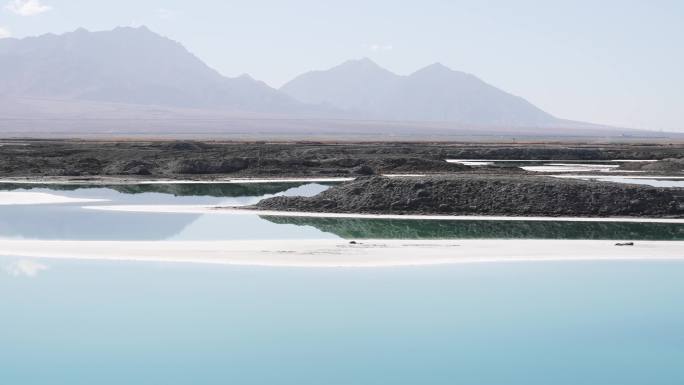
point(74, 222)
point(559, 323)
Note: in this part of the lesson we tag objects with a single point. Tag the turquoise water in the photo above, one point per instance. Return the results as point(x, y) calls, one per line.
point(77, 322)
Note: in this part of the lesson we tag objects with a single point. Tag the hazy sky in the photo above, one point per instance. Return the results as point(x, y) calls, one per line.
point(617, 62)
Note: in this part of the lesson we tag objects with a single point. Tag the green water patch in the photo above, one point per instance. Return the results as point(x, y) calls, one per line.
point(363, 228)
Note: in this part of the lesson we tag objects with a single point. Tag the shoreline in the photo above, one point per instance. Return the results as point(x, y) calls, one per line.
point(342, 254)
point(105, 181)
point(613, 176)
point(123, 180)
point(243, 210)
point(607, 161)
point(132, 181)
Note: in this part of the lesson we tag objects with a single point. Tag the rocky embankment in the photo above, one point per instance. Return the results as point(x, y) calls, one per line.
point(670, 165)
point(183, 159)
point(488, 195)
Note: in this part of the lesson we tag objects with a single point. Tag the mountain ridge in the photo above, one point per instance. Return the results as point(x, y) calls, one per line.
point(131, 65)
point(132, 79)
point(432, 93)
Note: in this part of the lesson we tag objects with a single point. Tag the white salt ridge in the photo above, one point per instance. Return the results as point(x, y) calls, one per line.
point(655, 177)
point(550, 160)
point(553, 165)
point(567, 167)
point(336, 253)
point(668, 182)
point(168, 181)
point(37, 198)
point(123, 181)
point(475, 163)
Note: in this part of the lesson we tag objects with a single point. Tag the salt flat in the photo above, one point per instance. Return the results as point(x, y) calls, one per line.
point(340, 253)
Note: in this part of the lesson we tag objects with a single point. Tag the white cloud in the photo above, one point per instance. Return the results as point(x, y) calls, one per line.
point(27, 7)
point(25, 268)
point(4, 32)
point(380, 47)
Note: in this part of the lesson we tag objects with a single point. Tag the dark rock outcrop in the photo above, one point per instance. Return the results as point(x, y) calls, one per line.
point(488, 195)
point(31, 158)
point(670, 165)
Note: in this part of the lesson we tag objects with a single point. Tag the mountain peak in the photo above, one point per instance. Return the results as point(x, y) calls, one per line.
point(142, 28)
point(139, 30)
point(436, 68)
point(363, 63)
point(349, 86)
point(120, 32)
point(247, 77)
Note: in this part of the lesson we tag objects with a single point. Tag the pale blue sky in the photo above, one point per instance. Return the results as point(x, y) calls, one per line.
point(613, 62)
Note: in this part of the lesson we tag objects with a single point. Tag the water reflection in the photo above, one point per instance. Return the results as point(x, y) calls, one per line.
point(186, 189)
point(23, 268)
point(72, 222)
point(68, 222)
point(358, 228)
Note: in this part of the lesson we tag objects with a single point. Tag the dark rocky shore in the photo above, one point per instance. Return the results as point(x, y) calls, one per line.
point(449, 188)
point(670, 165)
point(182, 159)
point(488, 195)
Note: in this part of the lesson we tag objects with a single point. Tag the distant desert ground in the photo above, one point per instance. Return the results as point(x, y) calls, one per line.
point(53, 118)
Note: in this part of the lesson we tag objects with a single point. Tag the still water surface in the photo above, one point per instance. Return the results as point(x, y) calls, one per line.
point(78, 322)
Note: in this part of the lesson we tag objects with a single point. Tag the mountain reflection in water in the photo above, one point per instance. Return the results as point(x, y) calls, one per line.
point(219, 190)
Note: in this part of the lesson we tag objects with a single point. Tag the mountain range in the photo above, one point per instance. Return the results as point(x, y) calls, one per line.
point(127, 65)
point(434, 93)
point(135, 74)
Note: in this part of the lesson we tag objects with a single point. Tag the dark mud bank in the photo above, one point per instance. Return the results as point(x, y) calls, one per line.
point(488, 195)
